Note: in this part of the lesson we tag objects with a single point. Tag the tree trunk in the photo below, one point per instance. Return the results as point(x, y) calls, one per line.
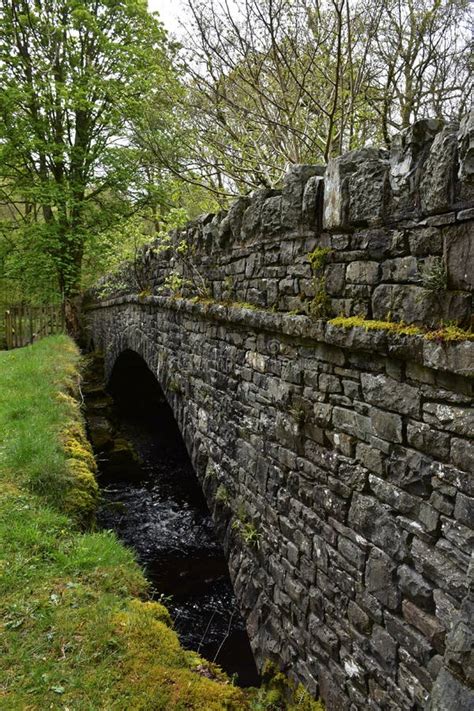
point(72, 317)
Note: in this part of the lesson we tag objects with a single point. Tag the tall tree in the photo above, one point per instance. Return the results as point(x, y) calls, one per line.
point(421, 60)
point(275, 82)
point(74, 75)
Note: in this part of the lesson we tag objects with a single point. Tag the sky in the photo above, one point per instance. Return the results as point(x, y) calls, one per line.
point(169, 11)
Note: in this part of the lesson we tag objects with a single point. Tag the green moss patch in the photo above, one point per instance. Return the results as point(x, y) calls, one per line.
point(448, 333)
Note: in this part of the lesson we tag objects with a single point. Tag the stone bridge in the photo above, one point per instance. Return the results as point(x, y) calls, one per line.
point(335, 454)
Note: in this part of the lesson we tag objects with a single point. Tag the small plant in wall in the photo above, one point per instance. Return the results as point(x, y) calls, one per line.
point(298, 414)
point(174, 385)
point(433, 275)
point(211, 472)
point(320, 304)
point(228, 288)
point(222, 494)
point(175, 283)
point(246, 530)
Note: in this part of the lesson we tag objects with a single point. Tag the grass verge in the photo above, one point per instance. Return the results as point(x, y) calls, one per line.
point(74, 633)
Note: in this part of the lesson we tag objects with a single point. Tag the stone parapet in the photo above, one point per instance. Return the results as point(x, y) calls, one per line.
point(390, 232)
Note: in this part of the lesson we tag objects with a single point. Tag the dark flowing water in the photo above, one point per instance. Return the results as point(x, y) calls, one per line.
point(156, 507)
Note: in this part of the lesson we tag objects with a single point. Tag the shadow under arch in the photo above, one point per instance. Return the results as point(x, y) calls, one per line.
point(165, 518)
point(135, 389)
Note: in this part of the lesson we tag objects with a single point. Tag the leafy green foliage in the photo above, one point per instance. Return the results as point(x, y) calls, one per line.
point(73, 75)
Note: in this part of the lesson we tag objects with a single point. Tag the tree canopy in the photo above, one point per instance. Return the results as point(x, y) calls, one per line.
point(106, 124)
point(275, 82)
point(74, 76)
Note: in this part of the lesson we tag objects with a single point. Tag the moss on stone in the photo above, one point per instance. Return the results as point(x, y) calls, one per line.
point(317, 258)
point(374, 325)
point(280, 692)
point(448, 334)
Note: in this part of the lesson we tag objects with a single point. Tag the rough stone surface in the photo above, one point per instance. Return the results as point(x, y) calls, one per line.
point(385, 220)
point(350, 450)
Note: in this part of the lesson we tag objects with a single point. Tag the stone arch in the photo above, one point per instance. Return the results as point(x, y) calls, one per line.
point(164, 369)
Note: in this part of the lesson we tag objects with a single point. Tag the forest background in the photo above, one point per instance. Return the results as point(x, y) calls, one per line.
point(113, 131)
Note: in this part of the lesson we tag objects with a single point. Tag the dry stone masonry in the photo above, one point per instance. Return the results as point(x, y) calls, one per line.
point(337, 461)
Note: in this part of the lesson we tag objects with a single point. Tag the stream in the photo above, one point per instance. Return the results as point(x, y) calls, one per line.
point(152, 499)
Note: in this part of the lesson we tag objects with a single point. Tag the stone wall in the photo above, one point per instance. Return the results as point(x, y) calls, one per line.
point(393, 230)
point(342, 458)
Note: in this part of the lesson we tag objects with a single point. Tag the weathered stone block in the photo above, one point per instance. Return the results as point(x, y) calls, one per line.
point(462, 454)
point(362, 273)
point(293, 188)
point(464, 510)
point(457, 419)
point(402, 269)
point(459, 256)
point(334, 275)
point(408, 151)
point(425, 242)
point(429, 517)
point(438, 567)
point(425, 623)
point(380, 579)
point(312, 206)
point(386, 425)
point(384, 648)
point(352, 422)
point(355, 188)
point(466, 157)
point(437, 184)
point(414, 304)
point(389, 393)
point(412, 641)
point(359, 618)
point(415, 587)
point(389, 494)
point(450, 693)
point(427, 439)
point(455, 357)
point(373, 520)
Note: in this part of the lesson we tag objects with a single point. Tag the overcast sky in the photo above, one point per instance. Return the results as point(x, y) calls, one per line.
point(169, 10)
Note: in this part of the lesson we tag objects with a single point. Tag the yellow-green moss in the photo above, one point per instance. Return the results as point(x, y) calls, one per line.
point(279, 692)
point(81, 492)
point(450, 334)
point(374, 325)
point(80, 501)
point(444, 333)
point(159, 674)
point(317, 258)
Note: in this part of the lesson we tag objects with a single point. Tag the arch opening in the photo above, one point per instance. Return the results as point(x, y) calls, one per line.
point(155, 504)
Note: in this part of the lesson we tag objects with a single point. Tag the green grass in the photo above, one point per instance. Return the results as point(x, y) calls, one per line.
point(76, 629)
point(74, 632)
